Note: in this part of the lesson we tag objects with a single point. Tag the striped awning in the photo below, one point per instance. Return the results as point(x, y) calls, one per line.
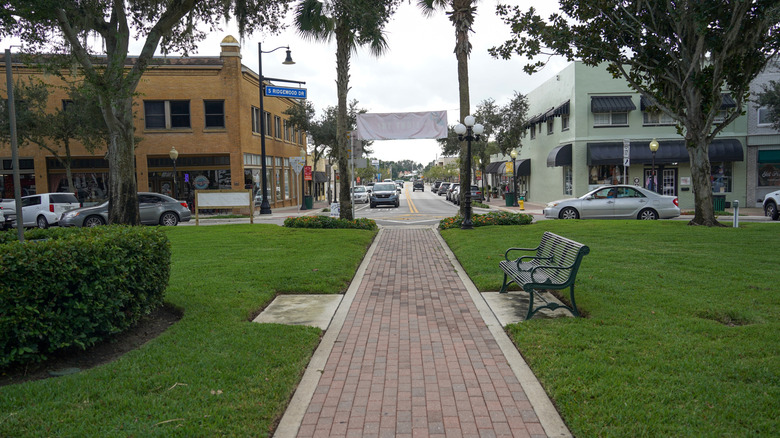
point(494, 167)
point(320, 177)
point(606, 104)
point(727, 102)
point(560, 156)
point(669, 151)
point(562, 109)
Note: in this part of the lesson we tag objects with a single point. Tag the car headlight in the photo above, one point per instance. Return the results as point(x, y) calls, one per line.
point(551, 204)
point(70, 214)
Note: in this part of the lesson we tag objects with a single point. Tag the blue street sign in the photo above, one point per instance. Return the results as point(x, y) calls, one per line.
point(294, 93)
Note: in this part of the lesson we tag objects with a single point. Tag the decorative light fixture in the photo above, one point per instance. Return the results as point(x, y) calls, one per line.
point(653, 180)
point(513, 154)
point(468, 131)
point(174, 154)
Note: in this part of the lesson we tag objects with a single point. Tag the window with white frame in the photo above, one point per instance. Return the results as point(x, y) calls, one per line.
point(286, 130)
point(277, 127)
point(614, 118)
point(657, 118)
point(167, 114)
point(256, 120)
point(533, 131)
point(764, 115)
point(550, 125)
point(720, 117)
point(565, 122)
point(267, 123)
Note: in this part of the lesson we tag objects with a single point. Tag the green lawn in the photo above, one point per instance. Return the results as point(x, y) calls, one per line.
point(682, 336)
point(214, 373)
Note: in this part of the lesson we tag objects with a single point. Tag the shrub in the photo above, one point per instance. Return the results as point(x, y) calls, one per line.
point(492, 218)
point(329, 222)
point(72, 288)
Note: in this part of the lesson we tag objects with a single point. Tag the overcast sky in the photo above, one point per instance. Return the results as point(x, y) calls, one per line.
point(418, 73)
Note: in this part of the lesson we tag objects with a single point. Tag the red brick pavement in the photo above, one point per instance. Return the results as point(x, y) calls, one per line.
point(414, 357)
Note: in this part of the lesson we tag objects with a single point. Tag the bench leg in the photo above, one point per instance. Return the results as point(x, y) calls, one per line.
point(506, 284)
point(552, 306)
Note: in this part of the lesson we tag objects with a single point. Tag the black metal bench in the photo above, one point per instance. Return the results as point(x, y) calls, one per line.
point(553, 265)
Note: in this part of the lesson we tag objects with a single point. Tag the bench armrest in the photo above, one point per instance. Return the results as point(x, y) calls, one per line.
point(506, 254)
point(550, 267)
point(522, 259)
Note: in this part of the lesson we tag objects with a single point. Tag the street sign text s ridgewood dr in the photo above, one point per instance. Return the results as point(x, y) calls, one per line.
point(294, 93)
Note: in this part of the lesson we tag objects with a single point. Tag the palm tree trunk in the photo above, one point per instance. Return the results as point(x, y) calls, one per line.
point(342, 88)
point(462, 19)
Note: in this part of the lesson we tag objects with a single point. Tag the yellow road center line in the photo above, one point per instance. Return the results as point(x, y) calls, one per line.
point(409, 202)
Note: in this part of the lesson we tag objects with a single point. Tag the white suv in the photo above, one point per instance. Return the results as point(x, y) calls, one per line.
point(771, 201)
point(45, 209)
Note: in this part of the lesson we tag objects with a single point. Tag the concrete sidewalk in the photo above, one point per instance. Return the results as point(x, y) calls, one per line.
point(414, 350)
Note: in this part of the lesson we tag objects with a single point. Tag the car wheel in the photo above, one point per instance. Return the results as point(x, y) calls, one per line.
point(372, 205)
point(397, 204)
point(93, 221)
point(169, 219)
point(648, 215)
point(569, 213)
point(41, 222)
point(771, 211)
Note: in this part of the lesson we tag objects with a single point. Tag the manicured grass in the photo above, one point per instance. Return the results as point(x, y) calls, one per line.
point(682, 336)
point(214, 373)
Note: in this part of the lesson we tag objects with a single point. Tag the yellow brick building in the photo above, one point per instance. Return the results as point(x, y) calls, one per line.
point(207, 108)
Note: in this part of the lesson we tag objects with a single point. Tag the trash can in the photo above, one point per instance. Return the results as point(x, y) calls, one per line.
point(510, 199)
point(308, 201)
point(719, 202)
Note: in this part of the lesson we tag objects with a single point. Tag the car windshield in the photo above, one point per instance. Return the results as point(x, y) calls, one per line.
point(360, 189)
point(384, 187)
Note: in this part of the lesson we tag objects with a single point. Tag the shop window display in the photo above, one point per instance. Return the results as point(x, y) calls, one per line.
point(600, 175)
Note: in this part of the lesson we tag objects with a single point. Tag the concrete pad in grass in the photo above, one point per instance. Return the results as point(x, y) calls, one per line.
point(512, 307)
point(311, 310)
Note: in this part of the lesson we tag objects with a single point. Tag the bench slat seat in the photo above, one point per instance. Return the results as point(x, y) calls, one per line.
point(553, 265)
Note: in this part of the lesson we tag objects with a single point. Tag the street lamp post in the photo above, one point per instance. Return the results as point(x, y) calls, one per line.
point(265, 207)
point(653, 150)
point(468, 131)
point(485, 195)
point(513, 154)
point(174, 154)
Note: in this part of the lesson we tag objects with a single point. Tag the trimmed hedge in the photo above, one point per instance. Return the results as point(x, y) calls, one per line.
point(492, 218)
point(329, 222)
point(76, 286)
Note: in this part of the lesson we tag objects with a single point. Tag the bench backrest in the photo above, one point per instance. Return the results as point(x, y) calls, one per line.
point(565, 253)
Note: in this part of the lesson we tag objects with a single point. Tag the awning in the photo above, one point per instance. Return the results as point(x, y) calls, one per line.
point(320, 177)
point(769, 156)
point(494, 167)
point(562, 109)
point(669, 151)
point(560, 156)
point(523, 167)
point(549, 114)
point(728, 102)
point(605, 104)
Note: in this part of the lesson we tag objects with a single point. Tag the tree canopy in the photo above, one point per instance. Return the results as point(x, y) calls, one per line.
point(680, 54)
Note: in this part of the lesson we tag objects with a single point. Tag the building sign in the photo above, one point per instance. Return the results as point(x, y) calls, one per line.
point(307, 173)
point(201, 182)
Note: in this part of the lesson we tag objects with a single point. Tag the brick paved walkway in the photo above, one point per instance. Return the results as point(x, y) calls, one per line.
point(414, 357)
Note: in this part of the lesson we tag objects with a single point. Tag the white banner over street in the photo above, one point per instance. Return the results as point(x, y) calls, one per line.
point(402, 126)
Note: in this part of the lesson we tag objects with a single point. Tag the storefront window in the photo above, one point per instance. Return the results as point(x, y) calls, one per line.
point(568, 184)
point(721, 177)
point(278, 182)
point(89, 187)
point(769, 168)
point(287, 184)
point(26, 181)
point(605, 175)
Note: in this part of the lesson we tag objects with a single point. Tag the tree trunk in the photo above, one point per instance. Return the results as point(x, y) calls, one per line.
point(343, 48)
point(698, 152)
point(462, 22)
point(122, 188)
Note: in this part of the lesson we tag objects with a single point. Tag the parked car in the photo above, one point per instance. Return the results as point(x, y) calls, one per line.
point(369, 187)
point(418, 185)
point(385, 193)
point(442, 188)
point(45, 209)
point(450, 189)
point(435, 186)
point(360, 195)
point(155, 209)
point(615, 202)
point(476, 195)
point(771, 201)
point(7, 213)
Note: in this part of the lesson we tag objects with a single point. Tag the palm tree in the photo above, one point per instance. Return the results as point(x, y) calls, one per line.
point(461, 15)
point(353, 23)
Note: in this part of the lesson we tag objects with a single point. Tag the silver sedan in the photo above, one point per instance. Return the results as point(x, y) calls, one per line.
point(615, 202)
point(154, 209)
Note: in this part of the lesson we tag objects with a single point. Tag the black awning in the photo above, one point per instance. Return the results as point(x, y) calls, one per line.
point(494, 167)
point(728, 102)
point(523, 167)
point(560, 156)
point(320, 177)
point(549, 114)
point(535, 119)
point(644, 103)
point(562, 109)
point(605, 104)
point(669, 151)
